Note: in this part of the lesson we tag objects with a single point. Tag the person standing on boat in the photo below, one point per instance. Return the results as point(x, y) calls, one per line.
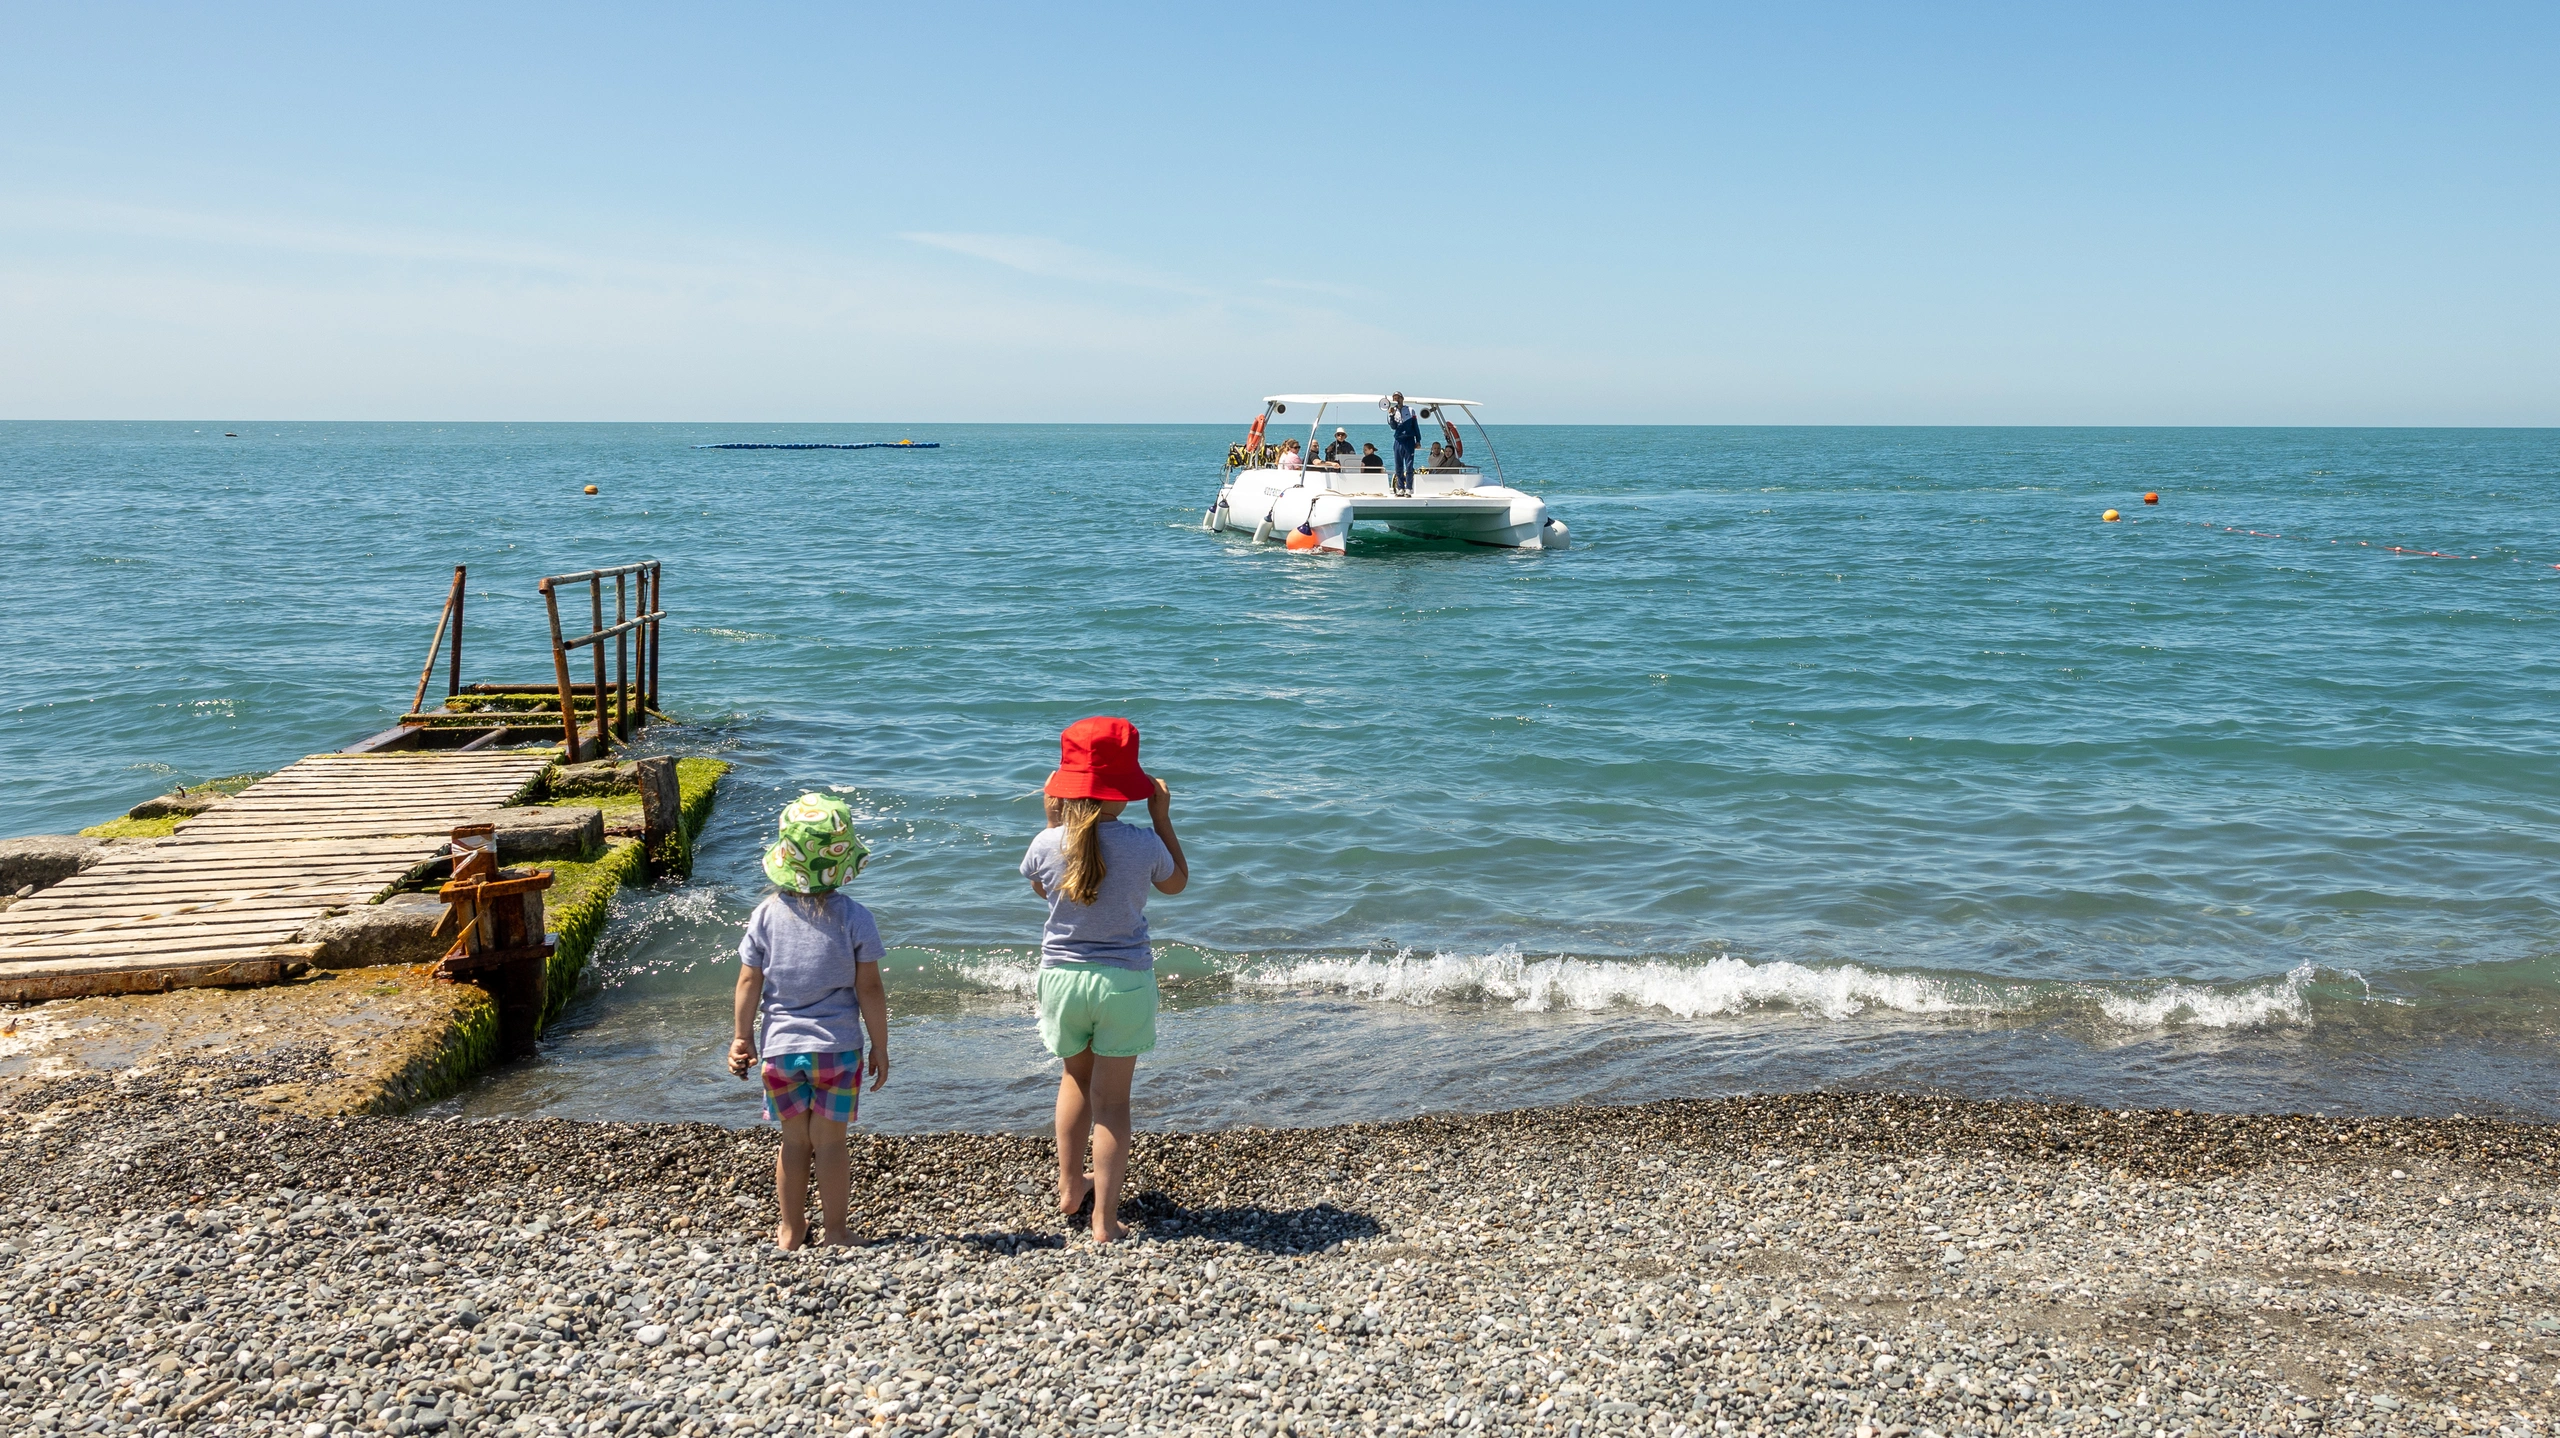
point(1408, 433)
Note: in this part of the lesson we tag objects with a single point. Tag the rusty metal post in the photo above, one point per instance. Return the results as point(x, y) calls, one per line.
point(658, 608)
point(560, 666)
point(495, 921)
point(621, 658)
point(453, 674)
point(444, 618)
point(595, 607)
point(640, 652)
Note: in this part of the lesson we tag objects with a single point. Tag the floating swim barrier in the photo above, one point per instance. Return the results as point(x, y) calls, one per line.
point(867, 444)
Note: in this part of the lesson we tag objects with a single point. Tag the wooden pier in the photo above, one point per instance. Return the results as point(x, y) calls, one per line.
point(219, 901)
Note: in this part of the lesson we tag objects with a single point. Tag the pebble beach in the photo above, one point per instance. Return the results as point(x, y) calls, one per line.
point(176, 1259)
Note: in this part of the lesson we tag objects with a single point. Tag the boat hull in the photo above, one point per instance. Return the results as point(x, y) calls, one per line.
point(1272, 505)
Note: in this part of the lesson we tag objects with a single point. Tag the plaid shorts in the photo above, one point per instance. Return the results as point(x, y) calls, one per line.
point(828, 1086)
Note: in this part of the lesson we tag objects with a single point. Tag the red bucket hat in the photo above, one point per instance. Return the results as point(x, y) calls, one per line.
point(1098, 759)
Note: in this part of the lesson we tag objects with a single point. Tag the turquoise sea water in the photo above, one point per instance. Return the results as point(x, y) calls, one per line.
point(1860, 757)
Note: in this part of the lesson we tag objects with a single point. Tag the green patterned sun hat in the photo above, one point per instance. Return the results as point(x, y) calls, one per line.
point(818, 849)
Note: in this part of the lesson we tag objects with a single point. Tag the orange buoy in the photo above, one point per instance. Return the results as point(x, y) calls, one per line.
point(2152, 498)
point(2111, 516)
point(1304, 539)
point(591, 489)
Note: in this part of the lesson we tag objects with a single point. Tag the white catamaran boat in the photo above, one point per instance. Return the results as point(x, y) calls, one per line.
point(1310, 499)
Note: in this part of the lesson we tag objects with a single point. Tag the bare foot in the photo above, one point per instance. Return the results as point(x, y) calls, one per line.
point(1108, 1230)
point(1072, 1201)
point(837, 1238)
point(788, 1238)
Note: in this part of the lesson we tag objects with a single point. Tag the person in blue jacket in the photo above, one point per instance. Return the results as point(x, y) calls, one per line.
point(1407, 427)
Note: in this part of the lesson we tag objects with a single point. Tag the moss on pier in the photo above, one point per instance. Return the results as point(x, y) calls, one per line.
point(332, 1043)
point(160, 828)
point(575, 911)
point(580, 901)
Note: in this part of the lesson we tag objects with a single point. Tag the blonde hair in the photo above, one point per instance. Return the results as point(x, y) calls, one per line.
point(1082, 848)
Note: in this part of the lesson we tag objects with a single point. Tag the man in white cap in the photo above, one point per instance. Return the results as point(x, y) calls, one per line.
point(1341, 447)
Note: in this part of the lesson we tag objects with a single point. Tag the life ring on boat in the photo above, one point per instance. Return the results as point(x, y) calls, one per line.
point(1457, 446)
point(1253, 436)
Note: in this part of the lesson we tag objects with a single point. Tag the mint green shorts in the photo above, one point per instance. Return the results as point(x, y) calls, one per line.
point(1109, 1010)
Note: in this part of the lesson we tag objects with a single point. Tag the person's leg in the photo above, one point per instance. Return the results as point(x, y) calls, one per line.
point(1108, 1097)
point(1075, 1129)
point(791, 1179)
point(835, 1176)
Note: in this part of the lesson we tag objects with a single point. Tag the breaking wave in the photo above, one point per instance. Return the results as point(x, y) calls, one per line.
point(1723, 986)
point(1720, 985)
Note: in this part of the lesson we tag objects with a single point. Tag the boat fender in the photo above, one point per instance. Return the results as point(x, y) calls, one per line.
point(1304, 536)
point(1262, 531)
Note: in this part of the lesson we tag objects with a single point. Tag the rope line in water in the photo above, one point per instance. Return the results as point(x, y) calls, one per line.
point(2403, 550)
point(868, 444)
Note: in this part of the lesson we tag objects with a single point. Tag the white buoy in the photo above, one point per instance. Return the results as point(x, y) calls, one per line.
point(1262, 531)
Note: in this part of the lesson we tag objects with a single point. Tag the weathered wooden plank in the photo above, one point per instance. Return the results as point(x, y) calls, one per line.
point(483, 794)
point(60, 923)
point(75, 927)
point(375, 807)
point(158, 889)
point(215, 881)
point(232, 859)
point(68, 917)
point(340, 824)
point(210, 972)
point(176, 946)
point(323, 827)
point(410, 779)
point(186, 846)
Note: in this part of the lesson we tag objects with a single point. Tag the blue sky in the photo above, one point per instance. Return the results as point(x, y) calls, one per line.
point(2229, 214)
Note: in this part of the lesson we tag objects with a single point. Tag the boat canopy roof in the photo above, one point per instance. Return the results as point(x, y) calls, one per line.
point(1418, 401)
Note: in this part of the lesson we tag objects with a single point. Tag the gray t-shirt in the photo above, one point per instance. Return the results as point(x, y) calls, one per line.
point(1113, 928)
point(807, 946)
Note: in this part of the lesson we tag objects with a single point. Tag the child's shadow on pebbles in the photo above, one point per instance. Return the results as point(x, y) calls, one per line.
point(1272, 1230)
point(1157, 1215)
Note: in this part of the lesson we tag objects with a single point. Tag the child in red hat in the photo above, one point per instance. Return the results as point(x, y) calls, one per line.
point(1097, 972)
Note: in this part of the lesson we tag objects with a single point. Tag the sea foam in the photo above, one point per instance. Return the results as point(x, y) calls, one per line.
point(1724, 986)
point(1720, 985)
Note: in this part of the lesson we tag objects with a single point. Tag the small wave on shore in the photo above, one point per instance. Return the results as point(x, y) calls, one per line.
point(1719, 985)
point(1722, 986)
